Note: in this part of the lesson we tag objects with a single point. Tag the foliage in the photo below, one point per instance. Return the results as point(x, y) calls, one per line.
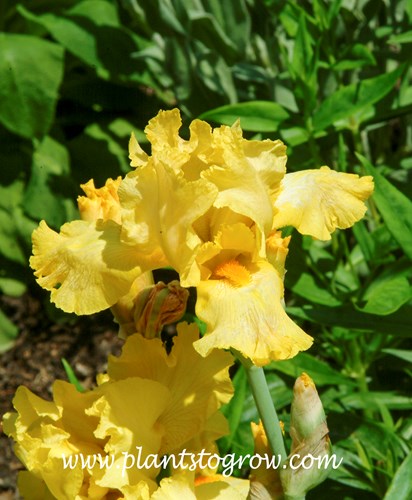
point(332, 80)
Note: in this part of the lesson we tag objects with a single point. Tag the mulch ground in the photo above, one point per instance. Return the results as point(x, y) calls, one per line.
point(35, 361)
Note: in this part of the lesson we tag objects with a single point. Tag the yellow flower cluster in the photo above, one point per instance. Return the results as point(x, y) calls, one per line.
point(210, 207)
point(149, 401)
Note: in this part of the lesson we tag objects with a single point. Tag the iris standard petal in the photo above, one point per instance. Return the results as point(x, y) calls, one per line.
point(159, 210)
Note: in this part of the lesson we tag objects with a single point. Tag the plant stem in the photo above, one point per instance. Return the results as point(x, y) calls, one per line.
point(265, 407)
point(361, 379)
point(313, 146)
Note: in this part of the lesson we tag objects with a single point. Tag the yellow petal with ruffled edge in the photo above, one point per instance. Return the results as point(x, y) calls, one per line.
point(85, 266)
point(268, 159)
point(316, 202)
point(242, 309)
point(100, 203)
point(40, 442)
point(167, 146)
point(198, 386)
point(240, 185)
point(126, 426)
point(108, 422)
point(159, 209)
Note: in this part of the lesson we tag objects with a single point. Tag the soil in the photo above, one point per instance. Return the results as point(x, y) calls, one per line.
point(35, 361)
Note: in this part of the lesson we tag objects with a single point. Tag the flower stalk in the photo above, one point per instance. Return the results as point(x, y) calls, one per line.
point(266, 409)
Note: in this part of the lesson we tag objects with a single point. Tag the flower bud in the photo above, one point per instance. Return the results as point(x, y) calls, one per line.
point(310, 441)
point(123, 310)
point(157, 306)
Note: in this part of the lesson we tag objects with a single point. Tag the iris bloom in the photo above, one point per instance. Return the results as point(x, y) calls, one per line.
point(209, 207)
point(161, 403)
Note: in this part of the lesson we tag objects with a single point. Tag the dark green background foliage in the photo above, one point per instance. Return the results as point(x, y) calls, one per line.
point(332, 80)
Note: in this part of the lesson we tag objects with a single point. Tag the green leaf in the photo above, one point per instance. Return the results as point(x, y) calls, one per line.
point(102, 13)
point(308, 288)
point(48, 195)
point(14, 276)
point(400, 353)
point(398, 323)
point(10, 246)
point(233, 18)
point(206, 29)
point(302, 64)
point(99, 153)
point(365, 240)
point(354, 98)
point(321, 373)
point(400, 487)
point(86, 35)
point(405, 37)
point(72, 376)
point(395, 207)
point(358, 55)
point(255, 116)
point(8, 332)
point(28, 96)
point(373, 399)
point(216, 75)
point(385, 296)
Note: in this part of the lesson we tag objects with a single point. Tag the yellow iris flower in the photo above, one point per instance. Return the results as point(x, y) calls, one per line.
point(210, 207)
point(161, 403)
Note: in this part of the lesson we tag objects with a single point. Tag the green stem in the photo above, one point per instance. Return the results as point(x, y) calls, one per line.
point(313, 146)
point(265, 407)
point(360, 370)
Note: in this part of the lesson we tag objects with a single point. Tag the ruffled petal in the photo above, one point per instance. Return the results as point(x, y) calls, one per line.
point(167, 146)
point(127, 429)
point(316, 202)
point(268, 158)
point(100, 203)
point(198, 386)
point(85, 266)
point(160, 208)
point(243, 311)
point(137, 156)
point(40, 442)
point(240, 185)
